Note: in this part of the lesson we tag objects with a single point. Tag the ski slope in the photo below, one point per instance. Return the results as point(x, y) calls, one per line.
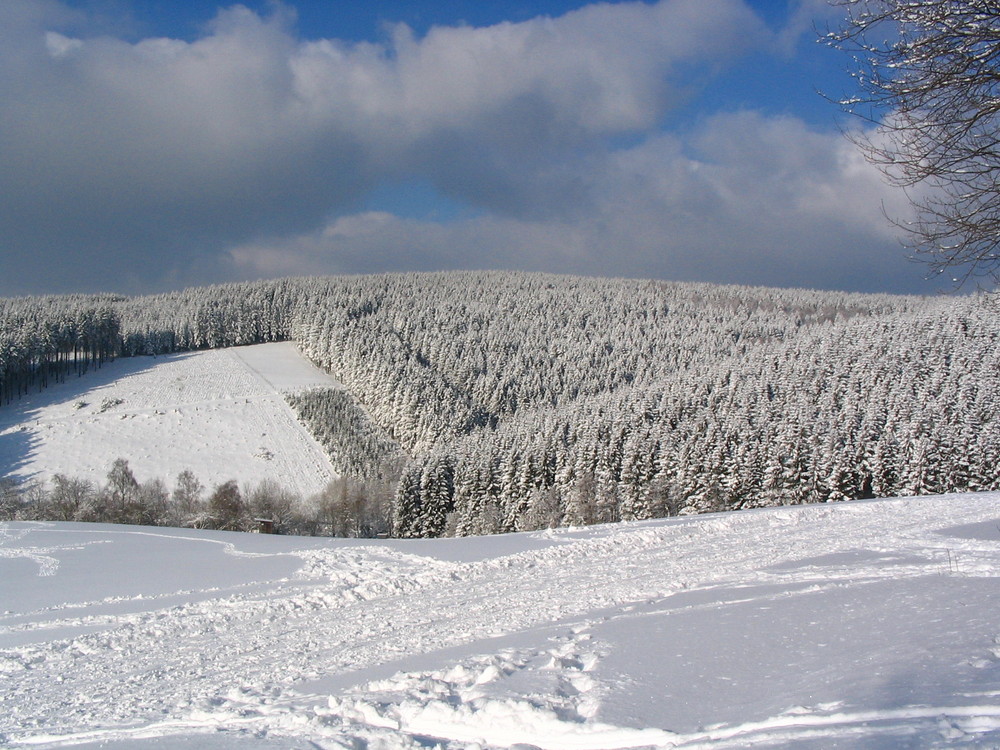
point(857, 625)
point(219, 413)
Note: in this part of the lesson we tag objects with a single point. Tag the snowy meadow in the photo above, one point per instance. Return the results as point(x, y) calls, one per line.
point(871, 624)
point(220, 414)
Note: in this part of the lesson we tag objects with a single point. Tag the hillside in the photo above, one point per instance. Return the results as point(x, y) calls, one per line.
point(865, 624)
point(220, 414)
point(508, 401)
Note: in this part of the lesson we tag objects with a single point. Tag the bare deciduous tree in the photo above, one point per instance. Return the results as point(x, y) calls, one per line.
point(227, 508)
point(186, 500)
point(122, 491)
point(69, 498)
point(928, 74)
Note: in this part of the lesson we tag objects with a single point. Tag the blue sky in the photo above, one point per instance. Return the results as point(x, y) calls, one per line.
point(152, 144)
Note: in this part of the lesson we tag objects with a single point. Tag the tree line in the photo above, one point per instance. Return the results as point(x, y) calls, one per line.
point(345, 507)
point(43, 340)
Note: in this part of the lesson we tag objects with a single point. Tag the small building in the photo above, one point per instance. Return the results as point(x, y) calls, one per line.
point(265, 525)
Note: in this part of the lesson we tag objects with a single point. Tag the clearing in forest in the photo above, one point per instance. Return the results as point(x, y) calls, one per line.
point(219, 413)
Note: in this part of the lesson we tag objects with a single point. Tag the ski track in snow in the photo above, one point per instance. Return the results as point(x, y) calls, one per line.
point(370, 645)
point(219, 413)
point(48, 565)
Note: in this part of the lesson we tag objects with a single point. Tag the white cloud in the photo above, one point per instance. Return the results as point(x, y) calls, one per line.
point(168, 161)
point(750, 199)
point(162, 152)
point(59, 45)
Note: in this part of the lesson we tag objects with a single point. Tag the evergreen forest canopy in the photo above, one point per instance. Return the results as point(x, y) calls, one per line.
point(510, 401)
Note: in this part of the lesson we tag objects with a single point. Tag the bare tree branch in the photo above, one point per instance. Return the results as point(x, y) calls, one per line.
point(928, 73)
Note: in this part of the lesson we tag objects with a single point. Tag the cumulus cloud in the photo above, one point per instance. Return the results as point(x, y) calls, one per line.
point(747, 199)
point(145, 157)
point(249, 152)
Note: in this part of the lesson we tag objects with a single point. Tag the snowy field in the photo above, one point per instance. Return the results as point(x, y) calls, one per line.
point(857, 625)
point(219, 413)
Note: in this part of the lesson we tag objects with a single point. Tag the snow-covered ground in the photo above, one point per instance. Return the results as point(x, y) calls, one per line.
point(857, 625)
point(219, 413)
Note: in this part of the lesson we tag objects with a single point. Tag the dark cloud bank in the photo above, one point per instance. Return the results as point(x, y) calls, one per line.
point(139, 166)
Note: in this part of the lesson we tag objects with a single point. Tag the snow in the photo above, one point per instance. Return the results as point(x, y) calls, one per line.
point(218, 413)
point(867, 624)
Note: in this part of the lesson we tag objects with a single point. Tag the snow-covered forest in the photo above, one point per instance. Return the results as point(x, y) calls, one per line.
point(519, 401)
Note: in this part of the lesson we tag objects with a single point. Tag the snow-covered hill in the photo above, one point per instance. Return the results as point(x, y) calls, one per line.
point(515, 401)
point(854, 625)
point(217, 413)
